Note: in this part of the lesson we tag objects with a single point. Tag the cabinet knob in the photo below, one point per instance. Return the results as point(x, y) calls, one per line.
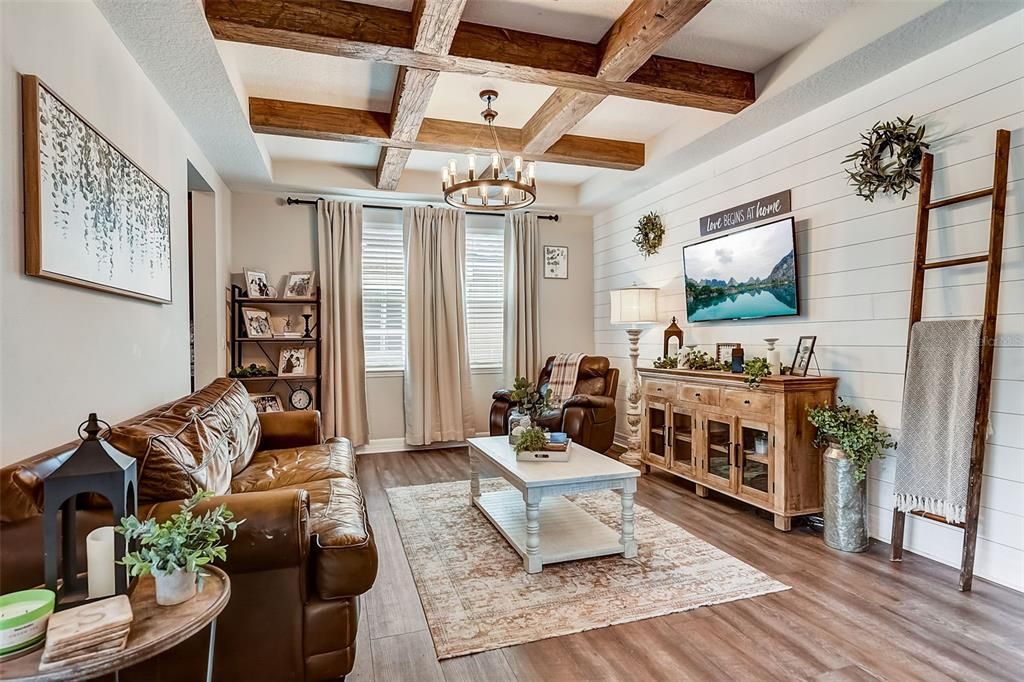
point(746, 402)
point(696, 395)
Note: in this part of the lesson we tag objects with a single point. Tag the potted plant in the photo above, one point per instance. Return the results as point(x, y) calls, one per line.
point(175, 551)
point(530, 440)
point(529, 403)
point(756, 369)
point(854, 439)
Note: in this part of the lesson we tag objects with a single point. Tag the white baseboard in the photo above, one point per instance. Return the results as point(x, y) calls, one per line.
point(378, 445)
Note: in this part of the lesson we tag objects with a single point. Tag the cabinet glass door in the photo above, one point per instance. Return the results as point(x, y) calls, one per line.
point(718, 442)
point(683, 440)
point(655, 445)
point(755, 459)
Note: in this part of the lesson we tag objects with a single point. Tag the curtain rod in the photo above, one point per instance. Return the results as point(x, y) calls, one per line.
point(292, 201)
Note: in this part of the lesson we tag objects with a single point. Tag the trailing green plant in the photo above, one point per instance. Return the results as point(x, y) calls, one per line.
point(888, 159)
point(529, 400)
point(251, 370)
point(855, 433)
point(698, 359)
point(184, 542)
point(669, 362)
point(649, 233)
point(756, 369)
point(530, 440)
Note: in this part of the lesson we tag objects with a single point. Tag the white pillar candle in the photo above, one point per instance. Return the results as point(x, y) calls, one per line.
point(673, 347)
point(307, 310)
point(99, 555)
point(775, 361)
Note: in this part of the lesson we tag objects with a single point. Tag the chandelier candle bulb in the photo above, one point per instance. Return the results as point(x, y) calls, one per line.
point(472, 166)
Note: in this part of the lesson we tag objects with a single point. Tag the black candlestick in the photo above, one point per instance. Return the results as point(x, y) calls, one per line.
point(308, 334)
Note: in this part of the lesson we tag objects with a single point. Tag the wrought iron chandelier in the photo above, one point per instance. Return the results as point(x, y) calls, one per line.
point(496, 188)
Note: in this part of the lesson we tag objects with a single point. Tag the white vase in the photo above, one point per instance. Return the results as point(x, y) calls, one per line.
point(174, 587)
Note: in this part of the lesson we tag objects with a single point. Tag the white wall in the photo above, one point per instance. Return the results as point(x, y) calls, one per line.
point(268, 234)
point(68, 350)
point(854, 260)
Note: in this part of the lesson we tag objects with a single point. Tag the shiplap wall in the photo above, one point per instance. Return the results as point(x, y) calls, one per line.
point(854, 261)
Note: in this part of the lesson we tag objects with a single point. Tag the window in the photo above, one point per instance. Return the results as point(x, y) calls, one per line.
point(485, 290)
point(383, 290)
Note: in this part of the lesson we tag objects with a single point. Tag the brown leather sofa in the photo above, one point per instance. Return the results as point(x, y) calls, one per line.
point(301, 558)
point(588, 417)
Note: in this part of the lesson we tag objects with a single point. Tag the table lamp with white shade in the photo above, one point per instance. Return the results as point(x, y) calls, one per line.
point(635, 306)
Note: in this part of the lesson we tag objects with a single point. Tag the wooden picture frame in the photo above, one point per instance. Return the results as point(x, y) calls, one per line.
point(257, 283)
point(293, 362)
point(303, 281)
point(556, 262)
point(719, 347)
point(258, 324)
point(803, 355)
point(103, 234)
point(266, 402)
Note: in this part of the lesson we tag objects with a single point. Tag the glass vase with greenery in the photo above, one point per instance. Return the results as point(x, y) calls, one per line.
point(857, 434)
point(529, 400)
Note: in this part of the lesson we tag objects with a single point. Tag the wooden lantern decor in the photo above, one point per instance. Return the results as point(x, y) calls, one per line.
point(97, 468)
point(672, 332)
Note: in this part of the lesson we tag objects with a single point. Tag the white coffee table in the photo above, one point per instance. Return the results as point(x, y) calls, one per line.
point(535, 518)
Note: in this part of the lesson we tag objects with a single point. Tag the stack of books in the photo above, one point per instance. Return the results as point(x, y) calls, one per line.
point(86, 631)
point(557, 442)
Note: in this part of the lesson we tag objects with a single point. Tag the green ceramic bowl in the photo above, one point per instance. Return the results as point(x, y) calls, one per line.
point(23, 619)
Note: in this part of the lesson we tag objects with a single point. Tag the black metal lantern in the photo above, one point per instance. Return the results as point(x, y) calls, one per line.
point(96, 467)
point(672, 332)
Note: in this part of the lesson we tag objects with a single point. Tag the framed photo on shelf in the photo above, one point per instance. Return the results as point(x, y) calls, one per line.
point(257, 284)
point(266, 402)
point(556, 262)
point(802, 359)
point(292, 362)
point(300, 284)
point(723, 351)
point(257, 323)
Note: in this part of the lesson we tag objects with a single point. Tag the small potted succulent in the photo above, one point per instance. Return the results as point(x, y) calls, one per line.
point(175, 551)
point(853, 440)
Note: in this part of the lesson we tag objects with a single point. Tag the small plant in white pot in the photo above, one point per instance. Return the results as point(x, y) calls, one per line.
point(854, 439)
point(175, 551)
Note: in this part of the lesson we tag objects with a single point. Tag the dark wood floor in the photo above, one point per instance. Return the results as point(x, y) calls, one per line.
point(848, 616)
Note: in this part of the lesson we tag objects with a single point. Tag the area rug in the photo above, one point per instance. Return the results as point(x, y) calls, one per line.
point(476, 595)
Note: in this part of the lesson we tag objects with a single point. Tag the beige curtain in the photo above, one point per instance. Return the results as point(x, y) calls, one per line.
point(524, 266)
point(438, 397)
point(339, 248)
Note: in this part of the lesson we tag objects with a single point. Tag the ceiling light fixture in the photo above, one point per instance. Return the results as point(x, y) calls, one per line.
point(496, 188)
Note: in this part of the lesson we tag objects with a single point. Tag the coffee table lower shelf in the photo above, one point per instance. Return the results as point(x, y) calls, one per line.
point(567, 532)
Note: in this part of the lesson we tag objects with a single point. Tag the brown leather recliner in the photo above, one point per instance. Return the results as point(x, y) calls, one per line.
point(588, 417)
point(301, 558)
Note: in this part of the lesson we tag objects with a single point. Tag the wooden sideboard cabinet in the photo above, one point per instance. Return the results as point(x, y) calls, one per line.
point(752, 444)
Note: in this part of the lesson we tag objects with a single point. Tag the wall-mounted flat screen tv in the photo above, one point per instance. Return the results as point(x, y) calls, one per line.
point(742, 275)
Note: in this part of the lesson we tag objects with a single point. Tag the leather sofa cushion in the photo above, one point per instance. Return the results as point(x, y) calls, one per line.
point(270, 469)
point(196, 442)
point(344, 553)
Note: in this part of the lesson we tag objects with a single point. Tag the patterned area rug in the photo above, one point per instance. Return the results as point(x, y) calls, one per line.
point(477, 596)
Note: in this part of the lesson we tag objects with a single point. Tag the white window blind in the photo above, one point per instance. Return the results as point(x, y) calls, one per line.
point(485, 290)
point(383, 290)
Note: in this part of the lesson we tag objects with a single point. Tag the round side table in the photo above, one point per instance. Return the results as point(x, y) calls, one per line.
point(154, 629)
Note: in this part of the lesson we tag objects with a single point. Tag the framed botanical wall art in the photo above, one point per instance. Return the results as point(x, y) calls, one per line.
point(92, 216)
point(556, 262)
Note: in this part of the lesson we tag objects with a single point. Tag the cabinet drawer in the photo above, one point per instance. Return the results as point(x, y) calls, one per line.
point(705, 395)
point(746, 401)
point(660, 389)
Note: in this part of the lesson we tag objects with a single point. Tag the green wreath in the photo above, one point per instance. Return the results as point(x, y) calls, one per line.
point(649, 233)
point(888, 159)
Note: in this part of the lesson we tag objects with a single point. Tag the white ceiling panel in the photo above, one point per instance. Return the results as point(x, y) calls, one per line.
point(457, 98)
point(282, 148)
point(314, 78)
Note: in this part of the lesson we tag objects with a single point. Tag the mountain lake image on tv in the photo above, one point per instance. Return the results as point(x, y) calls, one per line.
point(743, 275)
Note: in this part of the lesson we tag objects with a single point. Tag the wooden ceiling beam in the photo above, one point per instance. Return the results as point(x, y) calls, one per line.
point(434, 23)
point(380, 34)
point(315, 121)
point(626, 48)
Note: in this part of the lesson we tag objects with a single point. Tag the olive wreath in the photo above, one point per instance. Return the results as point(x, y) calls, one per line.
point(649, 233)
point(888, 159)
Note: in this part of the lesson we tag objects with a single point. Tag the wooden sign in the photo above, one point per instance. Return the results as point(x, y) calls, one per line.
point(764, 208)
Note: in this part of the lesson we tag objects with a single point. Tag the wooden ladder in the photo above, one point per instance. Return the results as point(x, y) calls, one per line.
point(994, 258)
